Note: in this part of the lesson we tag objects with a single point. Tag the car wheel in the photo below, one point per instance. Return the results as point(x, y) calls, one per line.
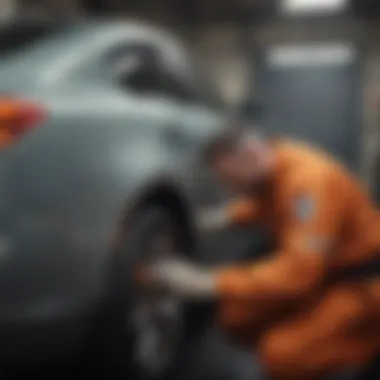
point(145, 330)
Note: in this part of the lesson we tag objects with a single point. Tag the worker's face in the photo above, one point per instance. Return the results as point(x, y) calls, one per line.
point(246, 169)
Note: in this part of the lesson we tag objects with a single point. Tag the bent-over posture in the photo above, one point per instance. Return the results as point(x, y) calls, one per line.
point(313, 305)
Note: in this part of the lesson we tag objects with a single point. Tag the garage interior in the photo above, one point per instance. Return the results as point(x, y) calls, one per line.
point(235, 39)
point(309, 73)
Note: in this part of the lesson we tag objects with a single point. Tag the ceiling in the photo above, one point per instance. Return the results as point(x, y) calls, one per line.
point(204, 11)
point(367, 8)
point(193, 9)
point(214, 10)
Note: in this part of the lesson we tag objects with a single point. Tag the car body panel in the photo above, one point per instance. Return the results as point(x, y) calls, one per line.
point(65, 185)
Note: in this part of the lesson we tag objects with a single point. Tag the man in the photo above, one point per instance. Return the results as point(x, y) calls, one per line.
point(313, 306)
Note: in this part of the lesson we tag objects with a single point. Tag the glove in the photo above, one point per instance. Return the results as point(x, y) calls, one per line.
point(214, 220)
point(180, 278)
point(240, 211)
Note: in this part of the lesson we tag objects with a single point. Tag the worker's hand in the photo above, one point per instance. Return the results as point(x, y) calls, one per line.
point(214, 220)
point(238, 212)
point(179, 277)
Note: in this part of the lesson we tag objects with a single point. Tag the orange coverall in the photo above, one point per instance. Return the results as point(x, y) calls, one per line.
point(308, 322)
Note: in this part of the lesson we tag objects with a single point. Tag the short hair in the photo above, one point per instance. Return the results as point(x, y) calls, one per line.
point(227, 142)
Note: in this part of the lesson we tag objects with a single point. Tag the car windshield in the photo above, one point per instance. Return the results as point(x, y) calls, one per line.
point(15, 38)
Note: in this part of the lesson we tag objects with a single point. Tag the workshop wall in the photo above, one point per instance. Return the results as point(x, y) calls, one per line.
point(360, 33)
point(233, 71)
point(227, 61)
point(371, 143)
point(8, 8)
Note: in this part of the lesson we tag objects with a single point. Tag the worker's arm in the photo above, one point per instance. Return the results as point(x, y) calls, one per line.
point(242, 211)
point(192, 281)
point(314, 218)
point(313, 222)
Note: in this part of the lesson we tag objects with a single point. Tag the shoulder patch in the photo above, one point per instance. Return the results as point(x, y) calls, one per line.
point(304, 208)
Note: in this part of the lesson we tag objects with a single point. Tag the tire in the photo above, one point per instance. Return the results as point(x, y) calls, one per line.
point(121, 339)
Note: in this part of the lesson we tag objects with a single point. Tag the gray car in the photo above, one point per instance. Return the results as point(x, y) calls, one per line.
point(100, 128)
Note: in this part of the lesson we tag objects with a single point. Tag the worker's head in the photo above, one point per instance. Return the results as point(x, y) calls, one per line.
point(241, 159)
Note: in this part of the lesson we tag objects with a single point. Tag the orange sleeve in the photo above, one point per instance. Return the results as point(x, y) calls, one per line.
point(243, 210)
point(311, 229)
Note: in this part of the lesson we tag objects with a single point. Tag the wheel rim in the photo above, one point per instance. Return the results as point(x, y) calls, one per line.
point(156, 318)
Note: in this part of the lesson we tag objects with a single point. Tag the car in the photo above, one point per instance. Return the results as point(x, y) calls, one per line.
point(101, 125)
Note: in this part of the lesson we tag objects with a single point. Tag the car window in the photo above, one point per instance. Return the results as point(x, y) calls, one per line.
point(178, 88)
point(133, 68)
point(17, 37)
point(138, 68)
